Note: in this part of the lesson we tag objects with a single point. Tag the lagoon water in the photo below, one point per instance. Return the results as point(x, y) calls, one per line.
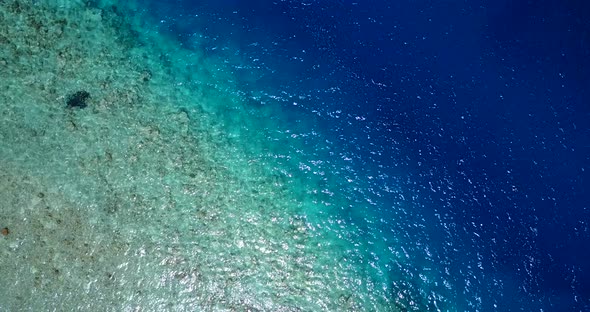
point(294, 156)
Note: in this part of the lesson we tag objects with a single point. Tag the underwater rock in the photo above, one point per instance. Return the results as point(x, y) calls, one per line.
point(78, 99)
point(146, 75)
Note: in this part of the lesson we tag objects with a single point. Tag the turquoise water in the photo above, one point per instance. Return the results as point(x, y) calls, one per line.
point(175, 188)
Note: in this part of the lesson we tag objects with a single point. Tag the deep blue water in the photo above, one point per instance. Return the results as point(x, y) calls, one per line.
point(468, 121)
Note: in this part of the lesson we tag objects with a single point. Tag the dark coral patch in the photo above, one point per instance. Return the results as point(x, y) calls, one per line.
point(78, 99)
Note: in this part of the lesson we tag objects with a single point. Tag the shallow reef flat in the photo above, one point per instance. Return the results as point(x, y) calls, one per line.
point(120, 190)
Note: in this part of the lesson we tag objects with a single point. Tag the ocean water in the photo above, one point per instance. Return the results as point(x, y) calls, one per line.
point(294, 156)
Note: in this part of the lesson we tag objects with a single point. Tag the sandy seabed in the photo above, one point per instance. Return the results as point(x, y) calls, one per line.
point(140, 201)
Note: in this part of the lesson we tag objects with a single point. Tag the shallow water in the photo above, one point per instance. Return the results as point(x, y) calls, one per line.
point(288, 156)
